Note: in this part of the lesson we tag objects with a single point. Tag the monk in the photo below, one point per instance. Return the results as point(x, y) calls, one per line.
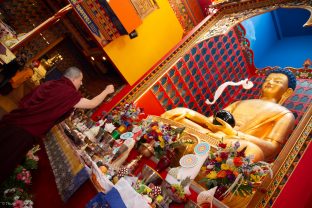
point(38, 112)
point(262, 125)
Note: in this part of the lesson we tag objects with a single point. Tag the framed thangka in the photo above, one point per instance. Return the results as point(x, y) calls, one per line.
point(144, 7)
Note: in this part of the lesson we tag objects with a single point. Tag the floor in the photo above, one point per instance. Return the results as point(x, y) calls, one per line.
point(44, 188)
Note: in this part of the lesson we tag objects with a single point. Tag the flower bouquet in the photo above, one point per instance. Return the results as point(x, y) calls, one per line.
point(175, 192)
point(151, 193)
point(14, 190)
point(127, 115)
point(232, 171)
point(162, 136)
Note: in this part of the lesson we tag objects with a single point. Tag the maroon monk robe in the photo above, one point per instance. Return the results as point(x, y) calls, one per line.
point(48, 104)
point(40, 110)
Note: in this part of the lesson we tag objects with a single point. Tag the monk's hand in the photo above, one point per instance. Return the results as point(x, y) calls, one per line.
point(109, 89)
point(225, 128)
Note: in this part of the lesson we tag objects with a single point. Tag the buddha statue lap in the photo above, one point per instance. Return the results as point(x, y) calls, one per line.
point(262, 125)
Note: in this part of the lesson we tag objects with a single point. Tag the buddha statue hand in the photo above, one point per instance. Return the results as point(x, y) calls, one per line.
point(176, 114)
point(226, 128)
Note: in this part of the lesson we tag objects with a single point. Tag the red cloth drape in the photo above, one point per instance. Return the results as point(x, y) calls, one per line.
point(45, 106)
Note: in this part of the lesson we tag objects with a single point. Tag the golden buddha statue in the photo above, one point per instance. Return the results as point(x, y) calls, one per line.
point(262, 125)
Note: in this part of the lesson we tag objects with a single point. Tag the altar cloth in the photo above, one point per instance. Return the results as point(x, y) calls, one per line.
point(69, 171)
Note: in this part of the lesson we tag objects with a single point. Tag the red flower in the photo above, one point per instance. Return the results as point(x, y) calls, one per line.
point(154, 124)
point(242, 152)
point(228, 172)
point(237, 161)
point(18, 204)
point(222, 145)
point(224, 155)
point(221, 174)
point(153, 135)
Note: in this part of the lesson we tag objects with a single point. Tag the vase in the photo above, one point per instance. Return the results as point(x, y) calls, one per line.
point(149, 175)
point(164, 161)
point(184, 148)
point(146, 150)
point(131, 166)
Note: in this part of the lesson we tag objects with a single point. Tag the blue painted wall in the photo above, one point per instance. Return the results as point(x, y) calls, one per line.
point(291, 22)
point(278, 39)
point(261, 33)
point(289, 52)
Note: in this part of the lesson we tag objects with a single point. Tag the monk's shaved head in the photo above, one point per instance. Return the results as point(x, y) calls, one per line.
point(72, 73)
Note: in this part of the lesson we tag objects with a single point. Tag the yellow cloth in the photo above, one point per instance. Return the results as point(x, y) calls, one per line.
point(21, 76)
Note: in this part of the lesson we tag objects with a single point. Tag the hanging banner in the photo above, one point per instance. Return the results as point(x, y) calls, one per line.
point(99, 22)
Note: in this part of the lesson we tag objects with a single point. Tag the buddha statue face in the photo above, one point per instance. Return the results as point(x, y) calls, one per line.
point(274, 86)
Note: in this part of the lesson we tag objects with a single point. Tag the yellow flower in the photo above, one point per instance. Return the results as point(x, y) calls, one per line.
point(255, 178)
point(212, 175)
point(224, 167)
point(203, 168)
point(232, 168)
point(159, 198)
point(161, 142)
point(147, 189)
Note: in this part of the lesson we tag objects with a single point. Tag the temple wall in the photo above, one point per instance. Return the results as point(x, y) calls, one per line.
point(197, 75)
point(159, 32)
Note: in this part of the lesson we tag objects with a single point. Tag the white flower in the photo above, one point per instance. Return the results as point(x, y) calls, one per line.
point(28, 202)
point(258, 170)
point(210, 166)
point(16, 198)
point(230, 162)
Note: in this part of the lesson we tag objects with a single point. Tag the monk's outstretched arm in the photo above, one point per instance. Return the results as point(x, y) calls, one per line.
point(97, 100)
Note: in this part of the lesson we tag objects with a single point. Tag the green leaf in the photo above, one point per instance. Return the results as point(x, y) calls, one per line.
point(179, 130)
point(203, 180)
point(30, 164)
point(186, 181)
